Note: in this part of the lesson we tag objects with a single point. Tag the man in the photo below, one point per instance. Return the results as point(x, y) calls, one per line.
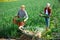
point(47, 11)
point(22, 14)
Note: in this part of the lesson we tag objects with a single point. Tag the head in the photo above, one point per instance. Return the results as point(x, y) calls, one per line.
point(48, 4)
point(22, 7)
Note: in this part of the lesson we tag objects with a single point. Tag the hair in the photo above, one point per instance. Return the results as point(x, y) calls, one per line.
point(48, 4)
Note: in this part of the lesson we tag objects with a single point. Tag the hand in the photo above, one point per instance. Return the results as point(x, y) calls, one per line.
point(24, 21)
point(50, 15)
point(41, 15)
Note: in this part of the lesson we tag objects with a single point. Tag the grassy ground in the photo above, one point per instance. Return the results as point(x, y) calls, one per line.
point(10, 9)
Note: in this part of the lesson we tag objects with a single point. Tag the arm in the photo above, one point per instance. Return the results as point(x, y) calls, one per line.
point(50, 12)
point(18, 14)
point(26, 16)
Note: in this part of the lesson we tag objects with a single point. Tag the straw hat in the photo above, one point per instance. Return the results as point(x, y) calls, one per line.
point(23, 6)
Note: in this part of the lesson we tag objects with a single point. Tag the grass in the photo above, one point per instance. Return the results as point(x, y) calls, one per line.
point(7, 0)
point(10, 9)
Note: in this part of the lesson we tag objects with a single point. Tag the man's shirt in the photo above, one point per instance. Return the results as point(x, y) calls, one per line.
point(23, 14)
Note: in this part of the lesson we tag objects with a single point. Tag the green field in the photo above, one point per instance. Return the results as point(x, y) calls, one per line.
point(10, 9)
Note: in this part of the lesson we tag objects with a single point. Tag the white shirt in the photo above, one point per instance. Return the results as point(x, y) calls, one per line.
point(46, 11)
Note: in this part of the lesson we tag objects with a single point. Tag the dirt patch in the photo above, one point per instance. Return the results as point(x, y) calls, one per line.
point(7, 39)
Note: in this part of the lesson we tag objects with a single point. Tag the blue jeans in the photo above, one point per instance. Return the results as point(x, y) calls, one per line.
point(47, 20)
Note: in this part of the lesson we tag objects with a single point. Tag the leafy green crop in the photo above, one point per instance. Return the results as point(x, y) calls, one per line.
point(19, 19)
point(8, 10)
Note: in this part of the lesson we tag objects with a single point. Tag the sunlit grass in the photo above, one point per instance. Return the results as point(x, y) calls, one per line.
point(7, 0)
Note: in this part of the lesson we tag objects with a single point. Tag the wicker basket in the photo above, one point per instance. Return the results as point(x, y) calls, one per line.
point(18, 23)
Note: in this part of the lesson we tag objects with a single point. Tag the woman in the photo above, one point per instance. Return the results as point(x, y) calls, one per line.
point(47, 11)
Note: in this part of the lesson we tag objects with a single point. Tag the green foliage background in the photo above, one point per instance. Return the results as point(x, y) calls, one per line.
point(10, 9)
